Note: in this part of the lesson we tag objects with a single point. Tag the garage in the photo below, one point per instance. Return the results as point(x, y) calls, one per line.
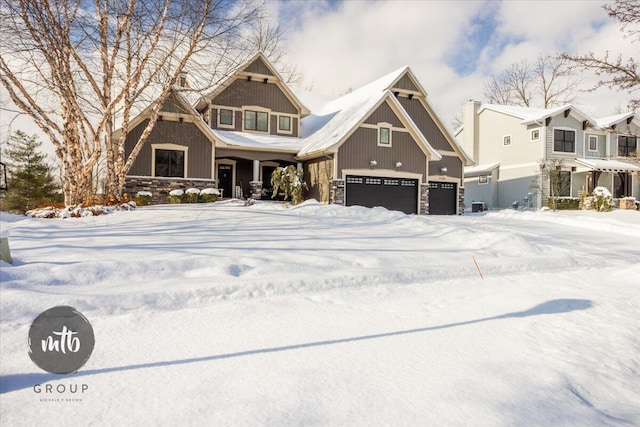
point(398, 194)
point(443, 198)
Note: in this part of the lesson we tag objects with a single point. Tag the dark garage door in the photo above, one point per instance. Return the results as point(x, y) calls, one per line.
point(442, 198)
point(398, 194)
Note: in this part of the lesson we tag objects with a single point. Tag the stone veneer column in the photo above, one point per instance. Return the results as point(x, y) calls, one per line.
point(424, 198)
point(256, 189)
point(460, 200)
point(337, 192)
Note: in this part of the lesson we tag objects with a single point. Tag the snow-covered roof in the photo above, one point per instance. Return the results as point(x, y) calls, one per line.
point(608, 165)
point(607, 122)
point(480, 169)
point(258, 141)
point(532, 115)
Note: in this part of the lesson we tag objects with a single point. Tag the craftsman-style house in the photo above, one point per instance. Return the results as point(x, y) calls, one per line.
point(380, 145)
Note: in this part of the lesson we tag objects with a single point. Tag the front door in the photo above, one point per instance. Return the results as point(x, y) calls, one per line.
point(225, 180)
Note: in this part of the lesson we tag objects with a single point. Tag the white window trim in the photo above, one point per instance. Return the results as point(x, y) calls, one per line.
point(486, 179)
point(504, 140)
point(589, 143)
point(553, 141)
point(531, 135)
point(258, 109)
point(283, 131)
point(385, 125)
point(174, 147)
point(233, 118)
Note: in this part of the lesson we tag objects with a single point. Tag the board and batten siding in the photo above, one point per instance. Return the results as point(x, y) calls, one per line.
point(362, 147)
point(172, 132)
point(384, 114)
point(244, 93)
point(425, 123)
point(452, 163)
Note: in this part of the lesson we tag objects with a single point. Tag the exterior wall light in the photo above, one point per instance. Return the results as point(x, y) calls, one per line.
point(443, 170)
point(398, 164)
point(373, 163)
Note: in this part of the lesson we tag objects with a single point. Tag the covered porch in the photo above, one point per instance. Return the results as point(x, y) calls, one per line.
point(620, 178)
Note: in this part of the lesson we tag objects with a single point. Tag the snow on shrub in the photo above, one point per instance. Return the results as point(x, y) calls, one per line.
point(78, 211)
point(176, 196)
point(601, 200)
point(143, 198)
point(192, 195)
point(209, 195)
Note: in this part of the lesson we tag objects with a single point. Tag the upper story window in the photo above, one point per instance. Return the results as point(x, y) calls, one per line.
point(627, 146)
point(225, 117)
point(284, 124)
point(256, 120)
point(593, 143)
point(564, 141)
point(384, 136)
point(506, 140)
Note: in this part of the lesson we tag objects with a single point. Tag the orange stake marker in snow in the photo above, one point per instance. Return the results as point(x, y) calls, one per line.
point(477, 267)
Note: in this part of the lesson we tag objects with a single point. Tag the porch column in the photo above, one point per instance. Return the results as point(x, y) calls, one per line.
point(256, 170)
point(255, 184)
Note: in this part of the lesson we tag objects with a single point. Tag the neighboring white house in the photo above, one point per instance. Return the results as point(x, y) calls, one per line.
point(523, 154)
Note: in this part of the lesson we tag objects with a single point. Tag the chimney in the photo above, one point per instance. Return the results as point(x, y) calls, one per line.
point(471, 137)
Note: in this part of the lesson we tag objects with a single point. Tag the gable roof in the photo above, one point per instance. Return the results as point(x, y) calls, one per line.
point(609, 121)
point(343, 116)
point(257, 64)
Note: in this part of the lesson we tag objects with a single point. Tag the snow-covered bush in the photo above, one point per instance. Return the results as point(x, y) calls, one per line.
point(176, 196)
point(192, 195)
point(209, 195)
point(143, 198)
point(600, 200)
point(288, 180)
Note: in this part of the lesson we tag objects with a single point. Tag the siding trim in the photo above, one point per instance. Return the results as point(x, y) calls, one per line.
point(174, 147)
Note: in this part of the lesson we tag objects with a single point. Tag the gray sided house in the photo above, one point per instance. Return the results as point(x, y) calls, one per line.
point(381, 145)
point(527, 155)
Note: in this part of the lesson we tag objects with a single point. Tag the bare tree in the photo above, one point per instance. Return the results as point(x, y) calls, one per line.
point(545, 82)
point(80, 69)
point(616, 72)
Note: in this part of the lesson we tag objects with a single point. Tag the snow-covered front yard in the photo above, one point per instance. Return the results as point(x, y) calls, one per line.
point(222, 314)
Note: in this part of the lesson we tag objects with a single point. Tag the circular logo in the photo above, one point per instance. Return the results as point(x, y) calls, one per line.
point(61, 340)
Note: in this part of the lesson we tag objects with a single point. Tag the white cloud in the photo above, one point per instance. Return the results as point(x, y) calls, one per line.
point(346, 45)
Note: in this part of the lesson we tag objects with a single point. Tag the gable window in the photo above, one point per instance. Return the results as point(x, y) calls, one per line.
point(535, 134)
point(564, 141)
point(627, 146)
point(169, 163)
point(284, 124)
point(384, 136)
point(593, 143)
point(256, 120)
point(506, 140)
point(225, 117)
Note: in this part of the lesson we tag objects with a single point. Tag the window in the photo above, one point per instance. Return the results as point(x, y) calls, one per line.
point(560, 183)
point(593, 143)
point(225, 117)
point(482, 179)
point(535, 134)
point(284, 123)
point(384, 136)
point(256, 120)
point(506, 140)
point(169, 163)
point(564, 141)
point(627, 146)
